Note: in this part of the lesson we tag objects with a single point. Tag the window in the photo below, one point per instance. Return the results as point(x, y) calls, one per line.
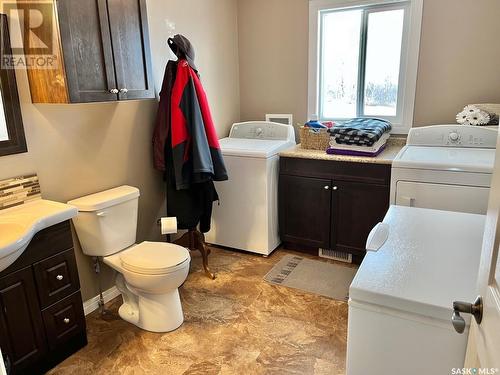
point(363, 59)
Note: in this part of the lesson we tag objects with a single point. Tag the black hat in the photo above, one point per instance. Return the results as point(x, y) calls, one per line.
point(182, 48)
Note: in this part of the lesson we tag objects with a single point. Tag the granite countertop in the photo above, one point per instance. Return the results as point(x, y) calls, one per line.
point(394, 145)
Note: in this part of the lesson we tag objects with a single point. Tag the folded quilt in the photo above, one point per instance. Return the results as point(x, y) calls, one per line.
point(360, 131)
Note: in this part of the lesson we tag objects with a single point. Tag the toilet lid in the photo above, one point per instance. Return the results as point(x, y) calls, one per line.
point(154, 258)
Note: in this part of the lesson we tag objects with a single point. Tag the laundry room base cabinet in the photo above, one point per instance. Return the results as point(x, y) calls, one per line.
point(331, 204)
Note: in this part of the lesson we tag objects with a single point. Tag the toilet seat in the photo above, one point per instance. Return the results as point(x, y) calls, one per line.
point(154, 258)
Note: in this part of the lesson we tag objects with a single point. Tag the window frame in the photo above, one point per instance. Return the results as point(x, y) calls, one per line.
point(402, 122)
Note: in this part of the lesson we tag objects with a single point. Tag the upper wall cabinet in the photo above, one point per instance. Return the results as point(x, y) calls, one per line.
point(102, 52)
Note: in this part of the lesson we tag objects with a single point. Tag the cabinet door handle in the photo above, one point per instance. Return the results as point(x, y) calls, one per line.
point(66, 320)
point(124, 90)
point(59, 277)
point(114, 91)
point(334, 188)
point(326, 187)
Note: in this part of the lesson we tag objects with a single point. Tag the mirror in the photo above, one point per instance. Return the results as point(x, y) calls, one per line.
point(4, 134)
point(12, 140)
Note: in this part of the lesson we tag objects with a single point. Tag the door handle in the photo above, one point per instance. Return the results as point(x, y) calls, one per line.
point(123, 91)
point(114, 91)
point(475, 309)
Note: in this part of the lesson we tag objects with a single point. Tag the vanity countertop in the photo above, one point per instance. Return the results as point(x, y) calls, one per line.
point(394, 145)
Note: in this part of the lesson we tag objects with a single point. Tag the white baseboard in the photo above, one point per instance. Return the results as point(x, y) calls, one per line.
point(93, 303)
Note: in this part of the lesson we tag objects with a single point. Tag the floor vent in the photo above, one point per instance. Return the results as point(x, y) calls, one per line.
point(335, 255)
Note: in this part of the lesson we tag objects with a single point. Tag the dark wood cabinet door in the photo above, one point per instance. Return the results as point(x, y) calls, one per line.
point(356, 209)
point(88, 53)
point(64, 320)
point(131, 50)
point(305, 210)
point(22, 327)
point(56, 277)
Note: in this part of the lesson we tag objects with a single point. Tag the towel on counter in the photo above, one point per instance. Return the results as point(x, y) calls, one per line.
point(361, 131)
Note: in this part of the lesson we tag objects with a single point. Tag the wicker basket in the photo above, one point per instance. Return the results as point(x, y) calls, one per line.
point(314, 139)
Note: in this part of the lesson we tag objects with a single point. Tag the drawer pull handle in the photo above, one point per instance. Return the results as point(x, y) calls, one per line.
point(335, 188)
point(59, 277)
point(66, 320)
point(326, 187)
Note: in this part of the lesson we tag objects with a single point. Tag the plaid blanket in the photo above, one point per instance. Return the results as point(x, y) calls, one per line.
point(361, 131)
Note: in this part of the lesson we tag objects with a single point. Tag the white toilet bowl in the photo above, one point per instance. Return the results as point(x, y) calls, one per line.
point(148, 274)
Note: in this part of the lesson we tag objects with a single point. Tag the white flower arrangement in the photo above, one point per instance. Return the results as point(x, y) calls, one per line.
point(472, 115)
point(462, 117)
point(471, 109)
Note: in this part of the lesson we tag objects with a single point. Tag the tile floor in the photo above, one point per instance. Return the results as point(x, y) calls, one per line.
point(236, 324)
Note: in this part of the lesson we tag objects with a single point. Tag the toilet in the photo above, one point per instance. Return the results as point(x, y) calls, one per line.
point(148, 274)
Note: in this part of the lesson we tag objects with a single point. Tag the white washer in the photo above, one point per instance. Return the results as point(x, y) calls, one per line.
point(445, 167)
point(246, 217)
point(401, 298)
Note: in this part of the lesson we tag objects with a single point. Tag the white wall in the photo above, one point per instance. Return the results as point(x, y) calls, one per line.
point(458, 64)
point(211, 25)
point(273, 50)
point(79, 149)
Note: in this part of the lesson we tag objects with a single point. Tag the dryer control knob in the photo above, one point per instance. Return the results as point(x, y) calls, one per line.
point(259, 132)
point(454, 136)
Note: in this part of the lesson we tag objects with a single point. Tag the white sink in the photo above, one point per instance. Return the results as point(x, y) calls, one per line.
point(19, 224)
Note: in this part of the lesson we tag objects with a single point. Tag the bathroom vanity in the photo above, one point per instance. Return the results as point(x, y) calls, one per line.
point(41, 311)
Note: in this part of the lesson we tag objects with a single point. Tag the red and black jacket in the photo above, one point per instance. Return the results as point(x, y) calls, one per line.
point(185, 143)
point(184, 118)
point(196, 151)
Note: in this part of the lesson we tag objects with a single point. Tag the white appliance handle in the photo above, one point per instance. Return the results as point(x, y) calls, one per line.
point(377, 237)
point(406, 201)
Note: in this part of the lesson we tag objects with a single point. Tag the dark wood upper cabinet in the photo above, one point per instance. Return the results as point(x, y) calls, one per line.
point(130, 35)
point(86, 46)
point(102, 52)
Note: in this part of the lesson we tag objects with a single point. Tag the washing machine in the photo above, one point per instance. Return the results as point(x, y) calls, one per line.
point(445, 167)
point(246, 217)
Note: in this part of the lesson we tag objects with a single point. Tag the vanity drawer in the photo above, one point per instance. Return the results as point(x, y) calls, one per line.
point(57, 277)
point(64, 320)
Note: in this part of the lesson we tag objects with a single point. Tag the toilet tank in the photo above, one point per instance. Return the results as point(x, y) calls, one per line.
point(107, 221)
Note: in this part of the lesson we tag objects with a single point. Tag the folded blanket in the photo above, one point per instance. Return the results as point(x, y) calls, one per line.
point(361, 131)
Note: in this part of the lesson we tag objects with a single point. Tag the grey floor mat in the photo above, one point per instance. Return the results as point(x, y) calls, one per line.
point(315, 276)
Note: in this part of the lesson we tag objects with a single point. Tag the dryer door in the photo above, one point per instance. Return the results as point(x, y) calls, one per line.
point(460, 198)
